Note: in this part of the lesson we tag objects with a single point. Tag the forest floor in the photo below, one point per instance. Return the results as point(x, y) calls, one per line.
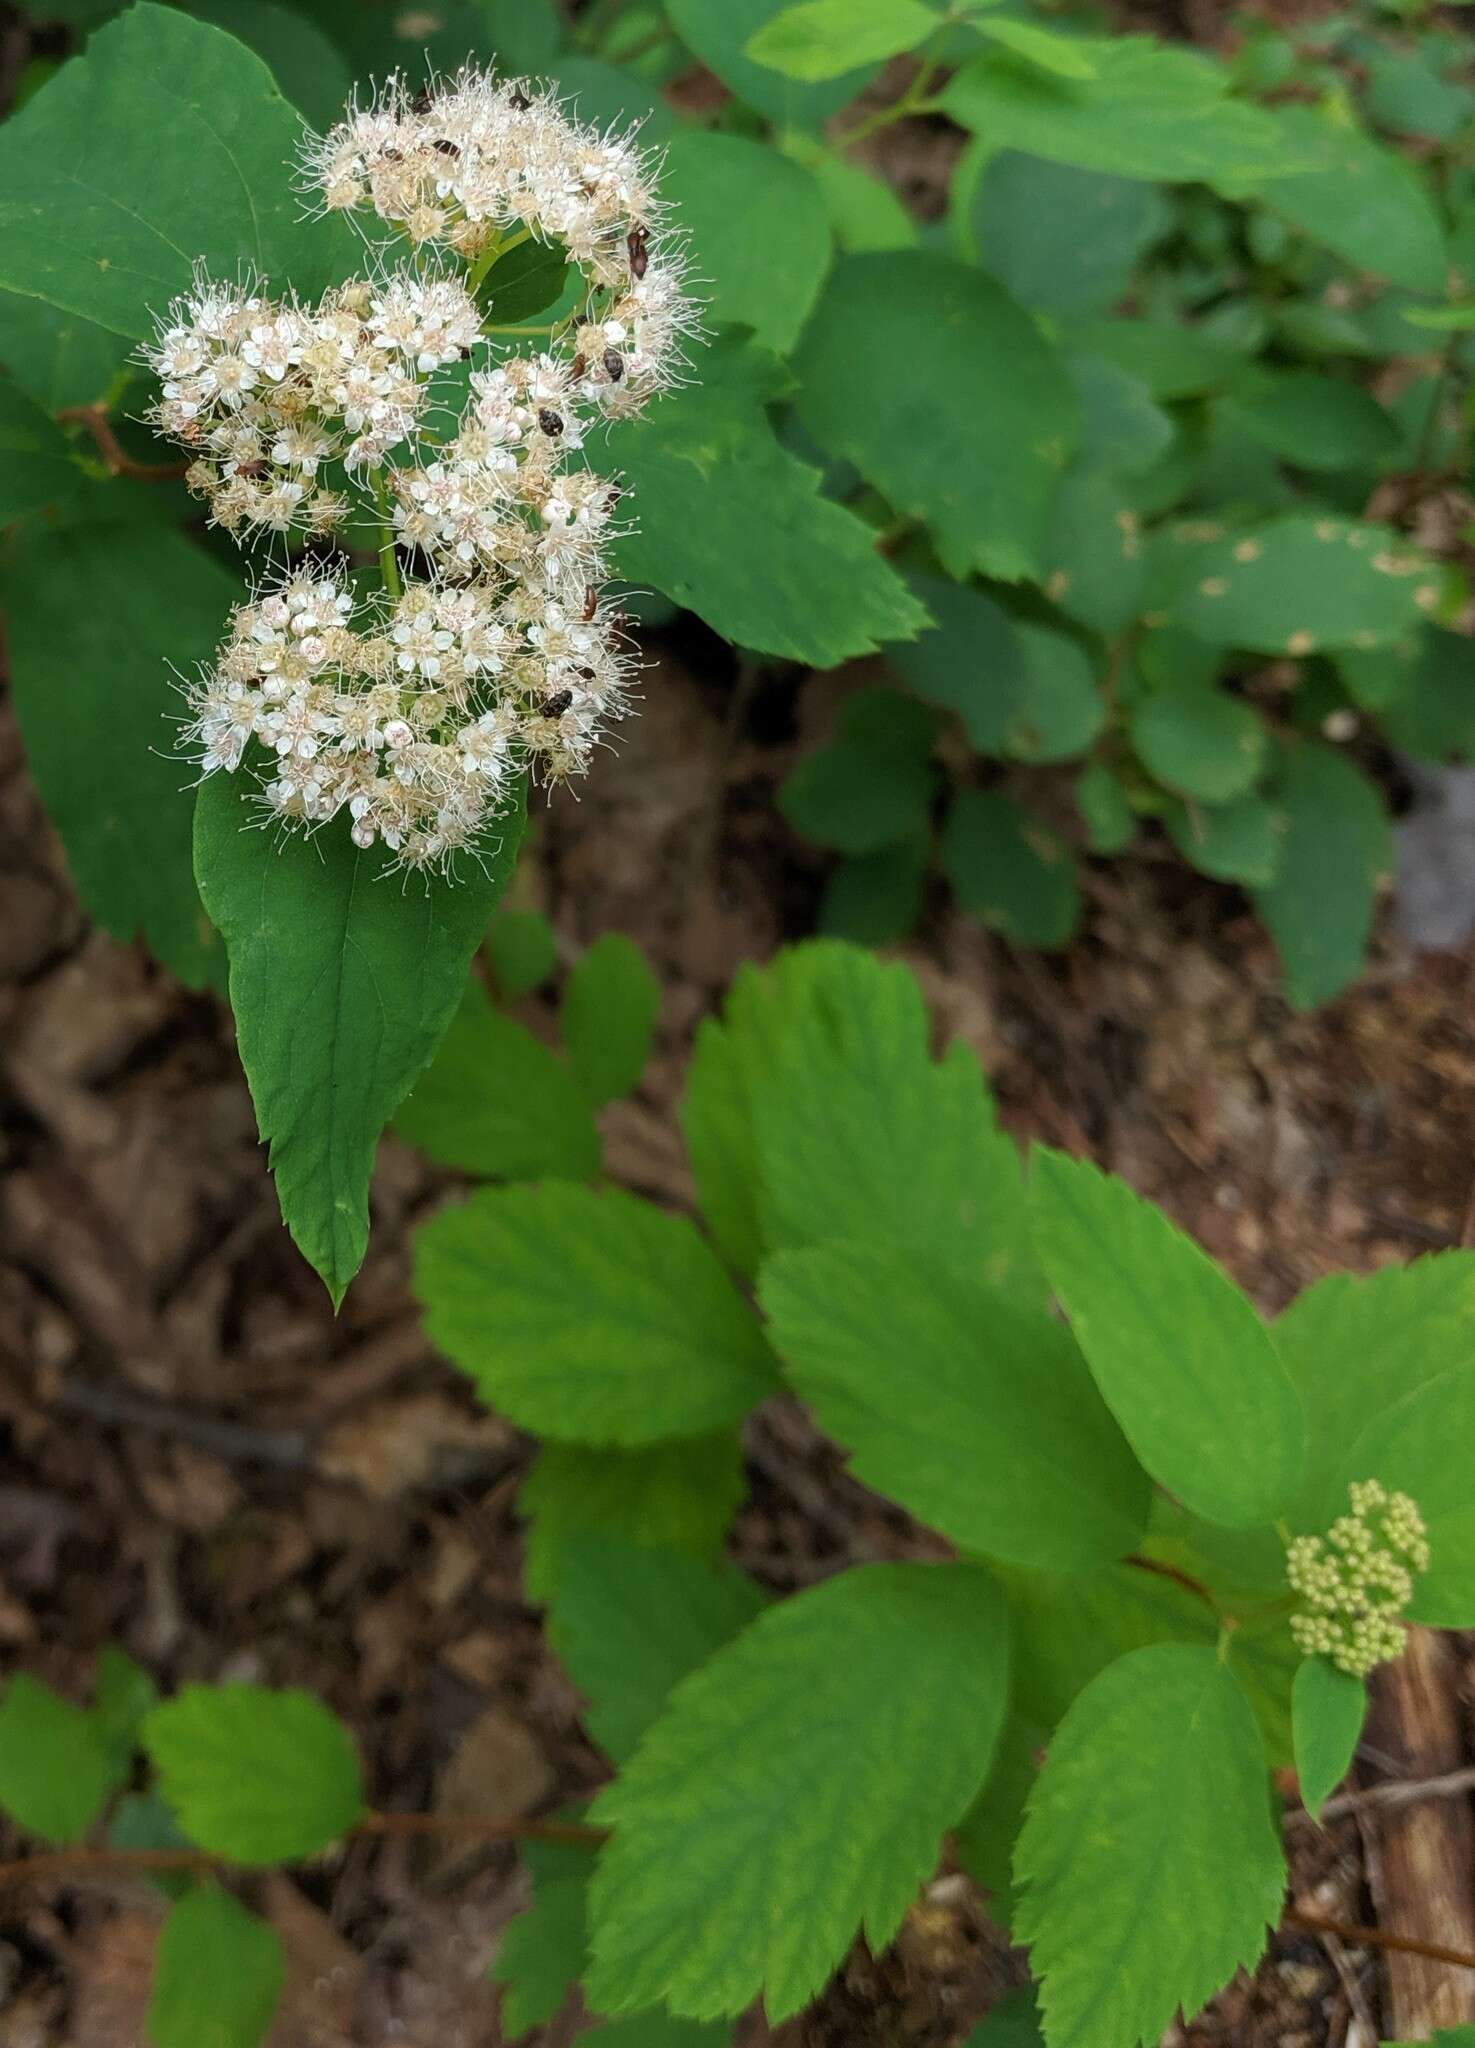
point(199, 1462)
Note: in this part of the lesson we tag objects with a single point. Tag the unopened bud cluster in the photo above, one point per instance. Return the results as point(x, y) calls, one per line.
point(1357, 1579)
point(414, 713)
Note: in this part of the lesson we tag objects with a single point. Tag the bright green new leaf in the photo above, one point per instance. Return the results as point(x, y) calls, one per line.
point(164, 145)
point(1182, 1358)
point(1200, 742)
point(1336, 848)
point(973, 438)
point(1061, 56)
point(610, 1004)
point(496, 1101)
point(978, 1415)
point(1146, 111)
point(1444, 319)
point(38, 465)
point(821, 39)
point(719, 32)
point(594, 1317)
point(719, 1884)
point(733, 526)
point(113, 665)
point(542, 1953)
point(1010, 869)
point(253, 1774)
point(680, 1494)
point(1328, 1708)
point(630, 1621)
point(1300, 584)
point(343, 982)
point(1415, 1447)
point(55, 1769)
point(759, 230)
point(1359, 198)
point(1149, 1864)
point(1062, 240)
point(218, 1975)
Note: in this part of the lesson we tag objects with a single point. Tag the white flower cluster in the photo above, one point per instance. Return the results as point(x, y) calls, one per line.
point(1357, 1579)
point(489, 651)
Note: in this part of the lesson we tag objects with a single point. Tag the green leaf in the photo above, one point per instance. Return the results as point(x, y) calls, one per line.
point(1300, 584)
point(495, 1101)
point(123, 1696)
point(542, 1952)
point(1355, 1345)
point(256, 1775)
point(1149, 1863)
point(822, 39)
point(658, 2030)
point(1122, 430)
point(875, 899)
point(343, 983)
point(1102, 802)
point(1444, 319)
point(681, 1494)
point(1168, 359)
point(1233, 842)
point(978, 1415)
point(1010, 869)
point(1061, 56)
point(1336, 848)
point(864, 211)
point(1328, 1708)
point(37, 463)
point(1358, 198)
point(1013, 2023)
point(1200, 742)
point(972, 661)
point(1178, 1351)
point(1147, 111)
point(311, 72)
point(218, 1976)
point(1406, 95)
point(719, 32)
point(56, 358)
point(1316, 421)
point(525, 282)
point(593, 1317)
point(630, 1621)
point(719, 1884)
point(523, 951)
point(732, 526)
point(122, 810)
point(1414, 1446)
point(857, 798)
point(165, 144)
point(759, 229)
point(610, 1004)
point(1093, 556)
point(55, 1770)
point(973, 437)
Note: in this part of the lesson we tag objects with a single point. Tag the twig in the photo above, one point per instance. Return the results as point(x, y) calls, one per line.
point(88, 1861)
point(287, 1450)
point(119, 462)
point(1378, 1937)
point(1405, 1792)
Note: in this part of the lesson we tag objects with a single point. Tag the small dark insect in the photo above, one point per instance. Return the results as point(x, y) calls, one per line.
point(578, 366)
point(394, 156)
point(550, 421)
point(251, 468)
point(420, 104)
point(613, 495)
point(591, 604)
point(585, 674)
point(639, 248)
point(558, 704)
point(614, 364)
point(445, 146)
point(520, 100)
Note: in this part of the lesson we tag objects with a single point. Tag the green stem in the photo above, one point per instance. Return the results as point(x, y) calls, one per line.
point(388, 565)
point(552, 328)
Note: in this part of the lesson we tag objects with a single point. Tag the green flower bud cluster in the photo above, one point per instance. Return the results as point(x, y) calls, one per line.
point(1357, 1579)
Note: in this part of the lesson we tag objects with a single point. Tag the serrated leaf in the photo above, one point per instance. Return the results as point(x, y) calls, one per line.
point(719, 32)
point(543, 1950)
point(720, 1884)
point(820, 39)
point(610, 1004)
point(1147, 111)
point(165, 144)
point(978, 1415)
point(1010, 869)
point(1178, 1351)
point(1298, 584)
point(630, 1621)
point(1233, 842)
point(55, 1770)
point(732, 526)
point(759, 231)
point(594, 1317)
point(680, 1494)
point(973, 438)
point(1336, 847)
point(123, 811)
point(1153, 1798)
point(38, 465)
point(343, 982)
point(1199, 742)
point(253, 1774)
point(496, 1101)
point(1328, 1708)
point(218, 1975)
